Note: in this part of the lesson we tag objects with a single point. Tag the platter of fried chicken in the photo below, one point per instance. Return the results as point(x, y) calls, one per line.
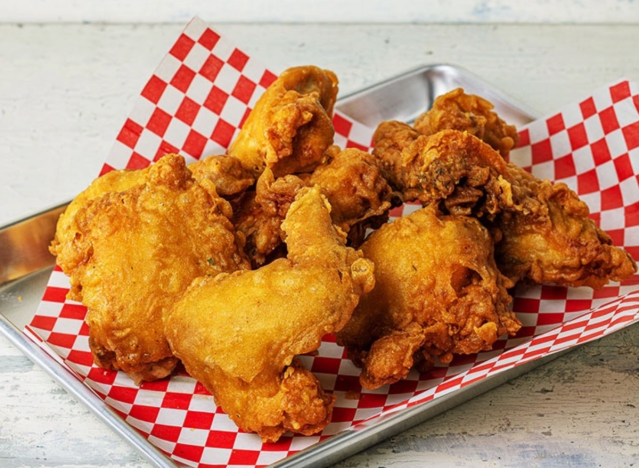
point(237, 265)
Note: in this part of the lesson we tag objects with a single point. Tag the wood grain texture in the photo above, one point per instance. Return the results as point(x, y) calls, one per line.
point(64, 93)
point(327, 11)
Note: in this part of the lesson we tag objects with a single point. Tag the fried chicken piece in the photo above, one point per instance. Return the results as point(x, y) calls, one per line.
point(359, 195)
point(238, 334)
point(260, 214)
point(554, 241)
point(438, 293)
point(226, 172)
point(451, 167)
point(67, 229)
point(291, 126)
point(133, 255)
point(542, 231)
point(457, 110)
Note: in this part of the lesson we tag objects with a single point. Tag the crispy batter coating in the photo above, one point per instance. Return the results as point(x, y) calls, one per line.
point(457, 110)
point(291, 126)
point(542, 230)
point(438, 292)
point(260, 214)
point(226, 172)
point(554, 241)
point(359, 196)
point(239, 334)
point(67, 230)
point(134, 252)
point(452, 167)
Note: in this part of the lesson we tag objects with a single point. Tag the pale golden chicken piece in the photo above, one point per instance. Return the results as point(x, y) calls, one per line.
point(437, 293)
point(238, 334)
point(542, 230)
point(67, 229)
point(135, 252)
point(291, 126)
point(457, 110)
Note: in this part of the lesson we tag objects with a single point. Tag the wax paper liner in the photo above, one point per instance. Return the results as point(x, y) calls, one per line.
point(194, 104)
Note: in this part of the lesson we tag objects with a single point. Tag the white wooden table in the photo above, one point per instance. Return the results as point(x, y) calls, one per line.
point(64, 92)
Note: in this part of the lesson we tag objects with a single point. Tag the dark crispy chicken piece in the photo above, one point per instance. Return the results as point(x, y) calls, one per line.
point(134, 253)
point(554, 241)
point(226, 172)
point(451, 167)
point(239, 334)
point(260, 213)
point(360, 198)
point(542, 230)
point(457, 110)
point(291, 126)
point(438, 292)
point(359, 195)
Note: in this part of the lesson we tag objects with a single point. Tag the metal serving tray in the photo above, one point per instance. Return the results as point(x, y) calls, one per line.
point(25, 266)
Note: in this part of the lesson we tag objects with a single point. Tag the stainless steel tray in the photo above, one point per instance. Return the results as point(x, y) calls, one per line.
point(25, 266)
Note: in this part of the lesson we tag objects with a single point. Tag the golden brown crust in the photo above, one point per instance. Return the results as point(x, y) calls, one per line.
point(457, 110)
point(134, 252)
point(226, 172)
point(238, 334)
point(359, 196)
point(553, 240)
point(438, 292)
point(291, 126)
point(451, 167)
point(542, 230)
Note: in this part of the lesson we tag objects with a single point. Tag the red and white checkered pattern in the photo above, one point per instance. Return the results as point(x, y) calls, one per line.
point(193, 105)
point(196, 101)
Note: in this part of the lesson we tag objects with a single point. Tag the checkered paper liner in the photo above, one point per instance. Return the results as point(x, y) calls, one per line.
point(194, 104)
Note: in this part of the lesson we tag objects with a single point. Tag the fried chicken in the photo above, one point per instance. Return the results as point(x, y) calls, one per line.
point(260, 213)
point(359, 196)
point(64, 245)
point(457, 110)
point(226, 172)
point(542, 231)
point(291, 126)
point(134, 253)
point(451, 167)
point(239, 333)
point(553, 241)
point(438, 292)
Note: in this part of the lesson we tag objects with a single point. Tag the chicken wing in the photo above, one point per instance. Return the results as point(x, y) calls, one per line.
point(457, 110)
point(239, 334)
point(134, 253)
point(438, 292)
point(291, 126)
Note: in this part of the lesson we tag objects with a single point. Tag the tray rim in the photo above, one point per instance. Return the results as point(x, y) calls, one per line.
point(332, 449)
